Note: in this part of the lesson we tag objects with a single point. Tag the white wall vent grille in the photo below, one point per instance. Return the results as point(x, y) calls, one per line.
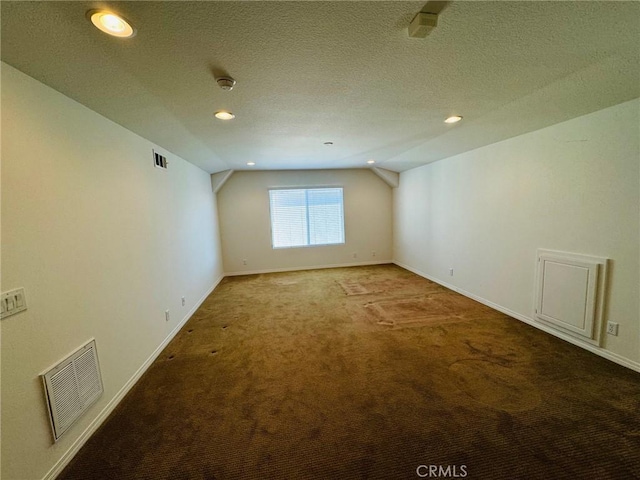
point(71, 387)
point(160, 161)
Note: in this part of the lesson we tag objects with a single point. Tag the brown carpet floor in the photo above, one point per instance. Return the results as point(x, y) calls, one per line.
point(366, 373)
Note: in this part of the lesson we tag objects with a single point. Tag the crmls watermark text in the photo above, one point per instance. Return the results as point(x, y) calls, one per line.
point(441, 471)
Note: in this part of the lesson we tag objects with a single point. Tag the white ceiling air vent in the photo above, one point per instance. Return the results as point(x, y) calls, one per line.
point(159, 160)
point(71, 387)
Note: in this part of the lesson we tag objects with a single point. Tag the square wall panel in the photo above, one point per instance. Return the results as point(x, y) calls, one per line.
point(570, 293)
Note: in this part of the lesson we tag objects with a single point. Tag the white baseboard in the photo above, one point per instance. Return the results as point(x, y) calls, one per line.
point(311, 267)
point(614, 357)
point(102, 416)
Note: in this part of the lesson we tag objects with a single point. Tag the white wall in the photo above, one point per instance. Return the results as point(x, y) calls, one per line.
point(245, 229)
point(571, 187)
point(103, 244)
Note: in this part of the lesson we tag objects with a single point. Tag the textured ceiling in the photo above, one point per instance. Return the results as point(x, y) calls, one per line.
point(347, 72)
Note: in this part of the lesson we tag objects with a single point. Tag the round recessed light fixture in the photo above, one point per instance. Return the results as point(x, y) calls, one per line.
point(111, 23)
point(371, 162)
point(224, 115)
point(453, 119)
point(251, 164)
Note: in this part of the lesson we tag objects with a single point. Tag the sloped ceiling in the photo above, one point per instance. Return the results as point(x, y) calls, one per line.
point(346, 72)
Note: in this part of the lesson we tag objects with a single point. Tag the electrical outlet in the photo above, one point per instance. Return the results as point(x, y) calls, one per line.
point(355, 255)
point(166, 315)
point(612, 328)
point(244, 261)
point(183, 301)
point(373, 254)
point(451, 272)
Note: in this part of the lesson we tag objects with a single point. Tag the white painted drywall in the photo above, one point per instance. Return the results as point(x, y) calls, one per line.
point(245, 229)
point(102, 242)
point(572, 187)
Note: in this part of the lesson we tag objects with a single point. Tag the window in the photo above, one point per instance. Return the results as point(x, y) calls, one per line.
point(304, 217)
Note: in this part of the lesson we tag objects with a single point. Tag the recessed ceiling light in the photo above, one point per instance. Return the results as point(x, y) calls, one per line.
point(371, 162)
point(111, 23)
point(453, 119)
point(224, 115)
point(328, 143)
point(251, 164)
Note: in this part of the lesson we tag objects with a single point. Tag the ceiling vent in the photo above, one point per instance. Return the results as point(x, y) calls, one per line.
point(71, 387)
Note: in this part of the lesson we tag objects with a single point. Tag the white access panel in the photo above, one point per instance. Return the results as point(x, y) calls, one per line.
point(570, 293)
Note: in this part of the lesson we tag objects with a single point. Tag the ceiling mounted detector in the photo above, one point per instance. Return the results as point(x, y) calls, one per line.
point(226, 83)
point(422, 24)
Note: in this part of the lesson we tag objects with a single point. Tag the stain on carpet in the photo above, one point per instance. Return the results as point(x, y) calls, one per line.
point(369, 285)
point(405, 312)
point(354, 288)
point(401, 311)
point(284, 281)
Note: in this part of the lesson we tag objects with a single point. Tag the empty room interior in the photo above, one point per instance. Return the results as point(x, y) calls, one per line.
point(320, 239)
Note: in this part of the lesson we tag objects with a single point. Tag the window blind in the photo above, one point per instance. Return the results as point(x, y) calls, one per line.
point(303, 217)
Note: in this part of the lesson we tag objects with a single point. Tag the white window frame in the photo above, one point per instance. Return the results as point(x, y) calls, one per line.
point(307, 245)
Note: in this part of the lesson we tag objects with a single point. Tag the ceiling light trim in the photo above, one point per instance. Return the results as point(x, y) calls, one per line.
point(224, 115)
point(111, 23)
point(453, 119)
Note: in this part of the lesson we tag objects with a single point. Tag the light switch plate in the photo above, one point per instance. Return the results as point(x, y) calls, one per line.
point(13, 301)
